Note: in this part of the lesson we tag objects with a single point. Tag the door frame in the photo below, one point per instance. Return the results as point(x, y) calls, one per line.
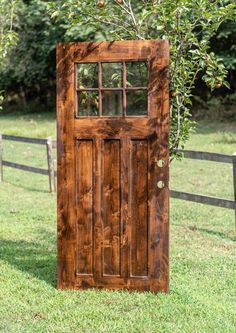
point(68, 54)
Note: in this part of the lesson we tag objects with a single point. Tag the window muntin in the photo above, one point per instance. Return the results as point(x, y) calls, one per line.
point(112, 89)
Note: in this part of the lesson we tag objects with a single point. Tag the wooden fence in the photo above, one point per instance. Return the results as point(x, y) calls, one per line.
point(214, 157)
point(48, 143)
point(51, 172)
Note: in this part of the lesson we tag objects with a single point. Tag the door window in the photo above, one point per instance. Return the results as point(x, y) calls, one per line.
point(112, 89)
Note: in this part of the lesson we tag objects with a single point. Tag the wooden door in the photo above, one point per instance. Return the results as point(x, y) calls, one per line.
point(113, 197)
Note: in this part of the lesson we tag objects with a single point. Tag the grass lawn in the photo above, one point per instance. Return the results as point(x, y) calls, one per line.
point(202, 294)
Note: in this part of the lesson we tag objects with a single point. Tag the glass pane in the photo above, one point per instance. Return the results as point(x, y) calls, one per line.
point(136, 103)
point(88, 103)
point(112, 75)
point(137, 74)
point(112, 103)
point(87, 76)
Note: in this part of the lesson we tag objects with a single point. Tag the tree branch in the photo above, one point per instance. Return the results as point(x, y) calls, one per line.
point(127, 7)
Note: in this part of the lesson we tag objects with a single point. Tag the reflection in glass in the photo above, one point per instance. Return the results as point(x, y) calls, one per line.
point(87, 75)
point(112, 75)
point(112, 103)
point(136, 103)
point(88, 103)
point(137, 74)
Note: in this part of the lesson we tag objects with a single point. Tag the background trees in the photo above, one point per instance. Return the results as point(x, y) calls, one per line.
point(8, 36)
point(29, 79)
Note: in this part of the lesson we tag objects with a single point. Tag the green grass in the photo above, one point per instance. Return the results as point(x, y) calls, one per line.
point(202, 294)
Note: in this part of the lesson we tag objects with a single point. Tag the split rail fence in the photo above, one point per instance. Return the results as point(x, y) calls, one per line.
point(51, 172)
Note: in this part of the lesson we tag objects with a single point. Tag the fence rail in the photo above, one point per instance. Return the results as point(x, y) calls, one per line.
point(36, 141)
point(202, 155)
point(214, 157)
point(203, 199)
point(25, 167)
point(48, 143)
point(197, 155)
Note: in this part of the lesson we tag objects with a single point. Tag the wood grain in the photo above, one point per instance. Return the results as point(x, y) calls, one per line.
point(139, 208)
point(84, 202)
point(66, 198)
point(111, 207)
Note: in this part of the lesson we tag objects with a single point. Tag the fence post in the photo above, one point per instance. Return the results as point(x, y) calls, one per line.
point(234, 179)
point(1, 158)
point(51, 171)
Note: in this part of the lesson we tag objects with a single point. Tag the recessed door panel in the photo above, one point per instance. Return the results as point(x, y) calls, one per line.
point(111, 189)
point(139, 207)
point(84, 202)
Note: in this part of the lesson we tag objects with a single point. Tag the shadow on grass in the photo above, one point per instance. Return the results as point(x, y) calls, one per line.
point(35, 258)
point(28, 188)
point(214, 233)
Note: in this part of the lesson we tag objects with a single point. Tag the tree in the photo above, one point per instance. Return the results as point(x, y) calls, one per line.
point(223, 44)
point(189, 25)
point(30, 75)
point(8, 36)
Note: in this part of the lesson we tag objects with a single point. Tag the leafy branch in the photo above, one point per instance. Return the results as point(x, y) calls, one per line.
point(188, 25)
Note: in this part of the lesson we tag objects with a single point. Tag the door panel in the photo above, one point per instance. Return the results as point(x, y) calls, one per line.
point(84, 202)
point(139, 207)
point(112, 109)
point(111, 207)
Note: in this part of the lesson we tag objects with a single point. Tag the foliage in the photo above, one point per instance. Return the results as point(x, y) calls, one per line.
point(31, 70)
point(217, 108)
point(202, 250)
point(188, 25)
point(224, 44)
point(8, 36)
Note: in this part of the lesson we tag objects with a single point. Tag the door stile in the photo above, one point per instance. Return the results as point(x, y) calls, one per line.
point(155, 219)
point(65, 151)
point(161, 173)
point(163, 195)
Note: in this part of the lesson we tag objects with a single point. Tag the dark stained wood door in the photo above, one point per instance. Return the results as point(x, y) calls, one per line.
point(113, 197)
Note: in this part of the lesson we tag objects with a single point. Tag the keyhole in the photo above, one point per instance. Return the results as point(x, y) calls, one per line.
point(160, 184)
